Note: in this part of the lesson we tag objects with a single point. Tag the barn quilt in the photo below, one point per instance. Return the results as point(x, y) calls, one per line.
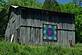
point(49, 32)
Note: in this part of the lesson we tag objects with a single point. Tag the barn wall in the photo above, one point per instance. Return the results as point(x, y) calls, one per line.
point(32, 21)
point(28, 28)
point(30, 35)
point(66, 32)
point(12, 25)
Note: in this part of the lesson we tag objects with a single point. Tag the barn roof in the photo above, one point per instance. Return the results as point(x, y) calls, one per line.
point(35, 10)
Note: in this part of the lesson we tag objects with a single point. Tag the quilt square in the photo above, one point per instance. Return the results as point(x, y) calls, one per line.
point(49, 32)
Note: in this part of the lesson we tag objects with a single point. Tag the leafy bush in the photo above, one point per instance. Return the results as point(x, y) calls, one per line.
point(16, 49)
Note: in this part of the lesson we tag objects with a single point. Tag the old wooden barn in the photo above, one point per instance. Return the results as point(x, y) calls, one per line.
point(37, 26)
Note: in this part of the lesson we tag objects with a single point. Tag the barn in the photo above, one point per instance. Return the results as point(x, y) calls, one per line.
point(38, 26)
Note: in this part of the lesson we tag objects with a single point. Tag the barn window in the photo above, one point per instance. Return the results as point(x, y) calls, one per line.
point(49, 32)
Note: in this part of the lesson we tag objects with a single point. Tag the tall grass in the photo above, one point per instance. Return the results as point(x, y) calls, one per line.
point(16, 49)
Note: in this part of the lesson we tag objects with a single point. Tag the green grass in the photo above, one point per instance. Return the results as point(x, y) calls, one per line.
point(16, 49)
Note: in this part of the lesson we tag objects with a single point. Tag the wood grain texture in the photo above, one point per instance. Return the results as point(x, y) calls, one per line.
point(30, 25)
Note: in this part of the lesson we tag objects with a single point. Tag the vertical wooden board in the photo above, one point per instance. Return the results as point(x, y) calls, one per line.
point(27, 21)
point(22, 34)
point(64, 38)
point(23, 21)
point(7, 32)
point(41, 37)
point(61, 40)
point(13, 28)
point(59, 25)
point(35, 35)
point(32, 22)
point(35, 39)
point(18, 21)
point(25, 34)
point(32, 35)
point(12, 25)
point(28, 34)
point(36, 23)
point(38, 35)
point(71, 27)
point(59, 36)
point(39, 23)
point(16, 36)
point(65, 26)
point(71, 36)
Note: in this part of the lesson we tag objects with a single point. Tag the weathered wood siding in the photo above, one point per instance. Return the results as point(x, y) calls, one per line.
point(27, 27)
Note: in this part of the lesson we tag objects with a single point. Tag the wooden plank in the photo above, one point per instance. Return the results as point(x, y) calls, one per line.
point(65, 37)
point(71, 27)
point(60, 26)
point(34, 35)
point(38, 32)
point(41, 41)
point(59, 36)
point(71, 37)
point(65, 26)
point(28, 34)
point(37, 36)
point(22, 38)
point(32, 32)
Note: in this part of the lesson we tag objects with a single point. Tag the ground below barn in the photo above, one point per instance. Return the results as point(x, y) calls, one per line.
point(16, 49)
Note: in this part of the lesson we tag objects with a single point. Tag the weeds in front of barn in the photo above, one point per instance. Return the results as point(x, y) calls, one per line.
point(7, 48)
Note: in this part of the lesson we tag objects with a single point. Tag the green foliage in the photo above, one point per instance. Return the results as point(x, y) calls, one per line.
point(77, 10)
point(70, 8)
point(16, 49)
point(26, 3)
point(51, 5)
point(79, 27)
